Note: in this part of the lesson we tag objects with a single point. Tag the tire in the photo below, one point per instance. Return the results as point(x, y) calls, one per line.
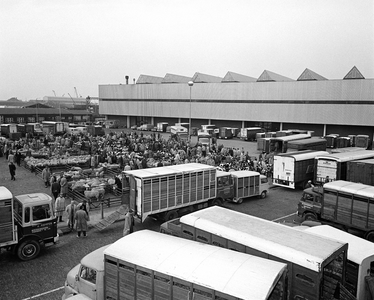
point(263, 195)
point(217, 202)
point(240, 201)
point(170, 215)
point(370, 236)
point(310, 217)
point(28, 250)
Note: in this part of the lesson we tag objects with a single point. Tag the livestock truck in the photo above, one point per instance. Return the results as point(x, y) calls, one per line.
point(27, 223)
point(314, 143)
point(151, 265)
point(343, 204)
point(294, 169)
point(167, 192)
point(7, 129)
point(361, 171)
point(333, 167)
point(249, 133)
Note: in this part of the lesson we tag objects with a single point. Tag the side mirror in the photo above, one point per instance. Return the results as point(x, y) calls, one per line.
point(76, 277)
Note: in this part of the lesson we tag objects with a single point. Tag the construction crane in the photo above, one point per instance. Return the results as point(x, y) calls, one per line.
point(71, 99)
point(76, 92)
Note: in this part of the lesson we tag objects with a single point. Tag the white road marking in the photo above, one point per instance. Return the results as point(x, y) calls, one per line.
point(42, 294)
point(275, 220)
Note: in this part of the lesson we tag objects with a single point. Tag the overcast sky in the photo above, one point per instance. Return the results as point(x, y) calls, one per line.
point(56, 45)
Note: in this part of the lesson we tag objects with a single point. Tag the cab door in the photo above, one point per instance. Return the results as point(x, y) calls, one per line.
point(86, 283)
point(41, 221)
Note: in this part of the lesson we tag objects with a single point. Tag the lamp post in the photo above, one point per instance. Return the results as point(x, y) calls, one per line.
point(190, 83)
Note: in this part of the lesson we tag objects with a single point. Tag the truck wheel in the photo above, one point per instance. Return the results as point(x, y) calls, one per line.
point(263, 195)
point(171, 215)
point(310, 217)
point(370, 236)
point(28, 250)
point(240, 201)
point(217, 202)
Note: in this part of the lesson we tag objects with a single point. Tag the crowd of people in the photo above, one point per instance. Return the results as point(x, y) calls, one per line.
point(130, 151)
point(136, 151)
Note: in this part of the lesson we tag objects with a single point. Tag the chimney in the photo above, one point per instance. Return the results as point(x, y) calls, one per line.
point(127, 79)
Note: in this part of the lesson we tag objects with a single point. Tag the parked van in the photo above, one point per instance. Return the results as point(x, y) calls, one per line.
point(112, 124)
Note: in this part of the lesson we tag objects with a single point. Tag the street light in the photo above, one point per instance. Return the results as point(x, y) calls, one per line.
point(190, 83)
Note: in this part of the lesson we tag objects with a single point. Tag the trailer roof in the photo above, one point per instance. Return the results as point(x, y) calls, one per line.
point(265, 236)
point(364, 161)
point(299, 136)
point(237, 274)
point(5, 193)
point(358, 189)
point(168, 170)
point(244, 173)
point(348, 156)
point(302, 155)
point(358, 249)
point(312, 140)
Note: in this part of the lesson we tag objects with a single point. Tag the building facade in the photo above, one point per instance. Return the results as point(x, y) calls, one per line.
point(272, 101)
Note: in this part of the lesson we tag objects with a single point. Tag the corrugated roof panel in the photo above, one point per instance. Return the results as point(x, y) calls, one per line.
point(270, 76)
point(354, 73)
point(204, 78)
point(171, 78)
point(235, 77)
point(147, 79)
point(310, 75)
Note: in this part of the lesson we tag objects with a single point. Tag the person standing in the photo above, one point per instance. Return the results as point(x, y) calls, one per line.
point(55, 188)
point(64, 185)
point(60, 207)
point(129, 223)
point(70, 210)
point(46, 174)
point(17, 157)
point(12, 170)
point(81, 219)
point(85, 206)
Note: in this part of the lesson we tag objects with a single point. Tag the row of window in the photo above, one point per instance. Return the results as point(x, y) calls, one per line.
point(33, 119)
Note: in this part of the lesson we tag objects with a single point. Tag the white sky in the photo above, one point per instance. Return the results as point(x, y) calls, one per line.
point(48, 45)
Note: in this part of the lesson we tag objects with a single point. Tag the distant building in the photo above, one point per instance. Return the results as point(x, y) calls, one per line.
point(272, 101)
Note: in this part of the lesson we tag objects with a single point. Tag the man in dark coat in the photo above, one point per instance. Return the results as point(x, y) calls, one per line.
point(12, 170)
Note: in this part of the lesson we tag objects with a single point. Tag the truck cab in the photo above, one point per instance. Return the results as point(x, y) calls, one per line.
point(309, 206)
point(87, 278)
point(27, 224)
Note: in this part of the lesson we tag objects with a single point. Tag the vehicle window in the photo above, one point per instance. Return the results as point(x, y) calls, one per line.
point(27, 214)
point(88, 274)
point(264, 180)
point(17, 208)
point(41, 212)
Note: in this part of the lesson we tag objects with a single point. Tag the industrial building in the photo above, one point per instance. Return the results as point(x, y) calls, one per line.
point(312, 102)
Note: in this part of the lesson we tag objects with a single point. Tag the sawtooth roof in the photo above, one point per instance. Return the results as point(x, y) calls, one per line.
point(147, 79)
point(270, 76)
point(204, 78)
point(235, 77)
point(354, 73)
point(172, 78)
point(308, 75)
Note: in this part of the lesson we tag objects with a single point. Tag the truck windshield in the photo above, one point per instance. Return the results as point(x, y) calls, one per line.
point(41, 212)
point(88, 274)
